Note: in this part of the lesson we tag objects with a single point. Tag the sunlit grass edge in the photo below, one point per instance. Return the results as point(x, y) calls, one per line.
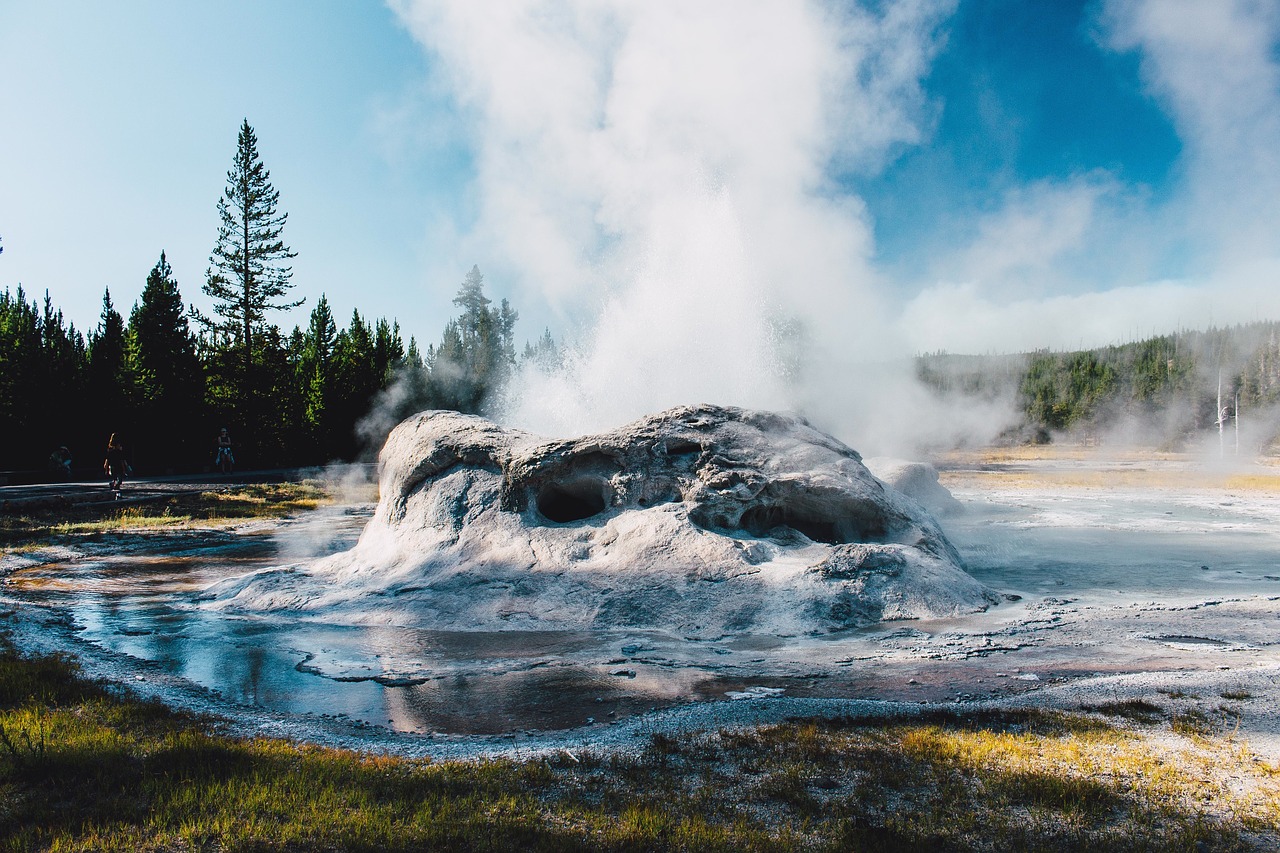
point(84, 766)
point(216, 508)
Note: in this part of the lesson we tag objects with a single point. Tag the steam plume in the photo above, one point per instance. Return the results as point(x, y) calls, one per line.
point(658, 173)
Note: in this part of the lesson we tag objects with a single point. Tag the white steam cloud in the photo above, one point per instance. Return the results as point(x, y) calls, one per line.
point(656, 171)
point(659, 173)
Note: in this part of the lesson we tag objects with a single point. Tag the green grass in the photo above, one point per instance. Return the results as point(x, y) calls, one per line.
point(228, 505)
point(85, 767)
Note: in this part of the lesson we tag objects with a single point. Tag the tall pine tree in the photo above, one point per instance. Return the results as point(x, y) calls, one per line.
point(248, 276)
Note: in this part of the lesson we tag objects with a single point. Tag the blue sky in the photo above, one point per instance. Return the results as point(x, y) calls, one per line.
point(120, 122)
point(975, 175)
point(1023, 92)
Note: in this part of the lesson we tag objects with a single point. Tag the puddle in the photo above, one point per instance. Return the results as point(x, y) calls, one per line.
point(405, 679)
point(1193, 642)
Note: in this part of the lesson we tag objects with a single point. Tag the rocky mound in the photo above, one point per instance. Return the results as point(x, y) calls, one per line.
point(702, 520)
point(916, 480)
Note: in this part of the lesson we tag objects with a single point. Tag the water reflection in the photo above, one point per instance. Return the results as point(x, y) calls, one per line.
point(407, 679)
point(557, 697)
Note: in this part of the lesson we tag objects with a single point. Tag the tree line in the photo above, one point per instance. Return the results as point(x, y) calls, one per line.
point(1178, 384)
point(168, 377)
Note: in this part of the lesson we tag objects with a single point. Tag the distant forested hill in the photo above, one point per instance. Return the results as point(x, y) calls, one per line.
point(1163, 389)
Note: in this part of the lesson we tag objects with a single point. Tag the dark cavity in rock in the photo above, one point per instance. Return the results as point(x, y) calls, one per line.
point(572, 500)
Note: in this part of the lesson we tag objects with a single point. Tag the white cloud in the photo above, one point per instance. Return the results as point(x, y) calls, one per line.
point(1066, 263)
point(1213, 65)
point(1024, 245)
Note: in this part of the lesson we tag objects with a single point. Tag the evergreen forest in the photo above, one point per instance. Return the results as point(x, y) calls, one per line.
point(165, 378)
point(313, 395)
point(1160, 391)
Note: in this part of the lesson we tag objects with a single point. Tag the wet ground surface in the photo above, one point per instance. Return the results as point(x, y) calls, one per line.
point(1106, 587)
point(141, 490)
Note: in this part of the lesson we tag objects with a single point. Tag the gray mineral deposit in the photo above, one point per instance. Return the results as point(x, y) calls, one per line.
point(916, 480)
point(704, 521)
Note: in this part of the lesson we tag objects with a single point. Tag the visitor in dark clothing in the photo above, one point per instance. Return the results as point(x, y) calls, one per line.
point(115, 466)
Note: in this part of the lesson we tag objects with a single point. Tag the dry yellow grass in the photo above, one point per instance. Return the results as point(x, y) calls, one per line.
point(204, 510)
point(1060, 452)
point(1111, 479)
point(1075, 466)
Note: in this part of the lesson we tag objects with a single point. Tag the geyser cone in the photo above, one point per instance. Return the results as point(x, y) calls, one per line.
point(703, 520)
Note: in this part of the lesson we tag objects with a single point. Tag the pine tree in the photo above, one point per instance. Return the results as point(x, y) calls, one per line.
point(507, 317)
point(450, 384)
point(544, 355)
point(248, 273)
point(356, 382)
point(474, 304)
point(388, 352)
point(20, 377)
point(109, 387)
point(271, 436)
point(62, 381)
point(168, 376)
point(477, 352)
point(315, 376)
point(415, 376)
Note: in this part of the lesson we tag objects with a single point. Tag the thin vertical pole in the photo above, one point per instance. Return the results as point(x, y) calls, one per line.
point(1221, 418)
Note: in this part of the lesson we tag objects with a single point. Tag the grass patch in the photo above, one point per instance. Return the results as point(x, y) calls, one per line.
point(227, 505)
point(92, 769)
point(1138, 710)
point(1193, 722)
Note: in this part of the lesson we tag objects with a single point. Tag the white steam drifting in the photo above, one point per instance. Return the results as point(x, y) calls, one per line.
point(657, 172)
point(660, 175)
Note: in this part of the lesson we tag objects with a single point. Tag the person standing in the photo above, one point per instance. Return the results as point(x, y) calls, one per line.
point(115, 466)
point(60, 462)
point(223, 458)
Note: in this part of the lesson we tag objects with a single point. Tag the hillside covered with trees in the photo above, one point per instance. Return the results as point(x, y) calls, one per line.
point(1163, 390)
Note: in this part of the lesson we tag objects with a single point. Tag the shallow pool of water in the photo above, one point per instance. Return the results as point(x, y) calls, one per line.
point(1039, 544)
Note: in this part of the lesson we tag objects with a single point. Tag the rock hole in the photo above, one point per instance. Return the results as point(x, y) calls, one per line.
point(759, 520)
point(574, 500)
point(680, 447)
